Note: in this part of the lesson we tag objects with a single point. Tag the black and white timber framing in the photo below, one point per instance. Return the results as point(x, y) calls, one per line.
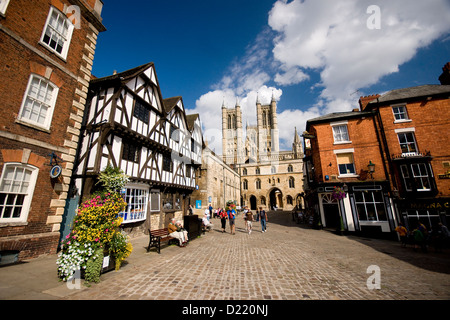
point(130, 126)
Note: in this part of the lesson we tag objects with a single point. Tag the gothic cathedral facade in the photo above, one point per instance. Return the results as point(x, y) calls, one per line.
point(270, 178)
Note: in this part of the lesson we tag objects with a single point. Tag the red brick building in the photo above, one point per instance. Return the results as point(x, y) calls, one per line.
point(339, 148)
point(47, 49)
point(414, 124)
point(404, 136)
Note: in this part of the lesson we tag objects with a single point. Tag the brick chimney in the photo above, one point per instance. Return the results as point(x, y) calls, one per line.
point(363, 101)
point(445, 76)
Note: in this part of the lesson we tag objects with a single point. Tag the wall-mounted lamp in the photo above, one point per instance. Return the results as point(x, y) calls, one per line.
point(371, 167)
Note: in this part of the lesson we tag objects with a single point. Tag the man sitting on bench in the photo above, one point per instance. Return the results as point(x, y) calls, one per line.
point(206, 223)
point(175, 231)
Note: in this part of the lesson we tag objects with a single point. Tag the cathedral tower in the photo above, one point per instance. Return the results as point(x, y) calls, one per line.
point(232, 137)
point(267, 129)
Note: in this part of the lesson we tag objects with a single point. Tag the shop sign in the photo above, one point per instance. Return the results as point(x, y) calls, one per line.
point(430, 205)
point(55, 171)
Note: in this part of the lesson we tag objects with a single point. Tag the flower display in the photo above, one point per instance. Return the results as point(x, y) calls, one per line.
point(95, 228)
point(230, 206)
point(338, 193)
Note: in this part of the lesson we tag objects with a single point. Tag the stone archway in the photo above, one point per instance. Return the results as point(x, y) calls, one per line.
point(275, 199)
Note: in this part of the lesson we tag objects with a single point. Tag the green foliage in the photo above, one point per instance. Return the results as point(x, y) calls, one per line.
point(113, 179)
point(94, 267)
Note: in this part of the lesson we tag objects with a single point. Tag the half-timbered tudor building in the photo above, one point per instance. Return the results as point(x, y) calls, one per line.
point(129, 125)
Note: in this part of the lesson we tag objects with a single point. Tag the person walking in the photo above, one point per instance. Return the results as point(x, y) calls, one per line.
point(403, 233)
point(231, 217)
point(263, 218)
point(223, 219)
point(249, 221)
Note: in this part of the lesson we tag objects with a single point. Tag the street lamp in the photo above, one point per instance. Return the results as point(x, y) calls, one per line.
point(371, 167)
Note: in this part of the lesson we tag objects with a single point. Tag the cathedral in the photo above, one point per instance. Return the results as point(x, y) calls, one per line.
point(270, 178)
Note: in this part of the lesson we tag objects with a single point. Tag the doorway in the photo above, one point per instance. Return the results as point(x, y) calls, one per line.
point(276, 199)
point(253, 203)
point(331, 212)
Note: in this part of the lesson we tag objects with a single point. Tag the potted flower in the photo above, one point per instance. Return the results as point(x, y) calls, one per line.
point(95, 235)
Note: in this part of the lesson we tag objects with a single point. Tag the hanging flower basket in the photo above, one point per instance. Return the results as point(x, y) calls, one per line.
point(338, 193)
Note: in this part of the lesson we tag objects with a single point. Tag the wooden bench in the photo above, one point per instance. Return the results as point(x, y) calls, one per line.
point(158, 236)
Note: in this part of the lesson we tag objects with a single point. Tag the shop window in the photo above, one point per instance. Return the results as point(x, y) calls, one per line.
point(136, 199)
point(16, 191)
point(167, 201)
point(370, 205)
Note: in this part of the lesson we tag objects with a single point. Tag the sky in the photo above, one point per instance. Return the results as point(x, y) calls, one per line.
point(314, 57)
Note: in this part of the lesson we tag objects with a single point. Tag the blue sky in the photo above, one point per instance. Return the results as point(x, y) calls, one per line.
point(314, 57)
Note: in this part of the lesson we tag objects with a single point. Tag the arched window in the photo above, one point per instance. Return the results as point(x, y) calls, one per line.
point(229, 122)
point(258, 171)
point(263, 201)
point(290, 168)
point(245, 184)
point(258, 184)
point(273, 169)
point(291, 182)
point(244, 172)
point(289, 200)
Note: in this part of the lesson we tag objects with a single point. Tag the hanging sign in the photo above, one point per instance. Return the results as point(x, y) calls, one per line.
point(55, 171)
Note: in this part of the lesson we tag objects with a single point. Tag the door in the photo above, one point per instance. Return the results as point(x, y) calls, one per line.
point(331, 212)
point(253, 203)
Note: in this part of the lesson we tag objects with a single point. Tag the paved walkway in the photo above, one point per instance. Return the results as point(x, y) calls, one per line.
point(288, 262)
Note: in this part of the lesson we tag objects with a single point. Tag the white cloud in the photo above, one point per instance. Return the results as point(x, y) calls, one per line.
point(333, 37)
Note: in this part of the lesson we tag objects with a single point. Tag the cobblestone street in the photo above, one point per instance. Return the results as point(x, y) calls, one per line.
point(288, 262)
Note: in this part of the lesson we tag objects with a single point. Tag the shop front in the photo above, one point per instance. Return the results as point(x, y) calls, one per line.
point(428, 211)
point(360, 208)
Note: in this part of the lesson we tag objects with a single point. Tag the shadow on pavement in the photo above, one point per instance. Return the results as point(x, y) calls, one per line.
point(432, 260)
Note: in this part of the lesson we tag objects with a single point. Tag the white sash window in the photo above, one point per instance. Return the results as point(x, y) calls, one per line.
point(16, 191)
